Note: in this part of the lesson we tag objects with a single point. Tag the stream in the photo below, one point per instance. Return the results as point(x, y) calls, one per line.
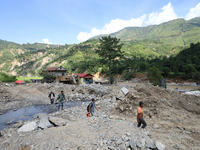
point(25, 113)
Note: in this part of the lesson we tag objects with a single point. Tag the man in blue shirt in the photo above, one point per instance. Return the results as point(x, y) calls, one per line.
point(92, 106)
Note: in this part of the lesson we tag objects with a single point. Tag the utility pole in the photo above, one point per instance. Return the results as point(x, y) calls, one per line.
point(24, 70)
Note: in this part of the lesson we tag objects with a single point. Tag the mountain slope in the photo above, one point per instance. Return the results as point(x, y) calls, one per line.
point(173, 35)
point(139, 43)
point(177, 32)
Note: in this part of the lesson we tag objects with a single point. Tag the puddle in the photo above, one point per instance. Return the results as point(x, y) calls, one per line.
point(26, 113)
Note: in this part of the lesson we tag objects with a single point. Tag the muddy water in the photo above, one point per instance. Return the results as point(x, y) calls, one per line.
point(26, 113)
point(187, 88)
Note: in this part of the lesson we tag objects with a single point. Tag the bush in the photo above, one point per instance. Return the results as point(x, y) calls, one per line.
point(154, 75)
point(103, 70)
point(49, 77)
point(128, 76)
point(7, 78)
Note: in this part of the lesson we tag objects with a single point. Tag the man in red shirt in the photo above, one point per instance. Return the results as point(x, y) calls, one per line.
point(140, 119)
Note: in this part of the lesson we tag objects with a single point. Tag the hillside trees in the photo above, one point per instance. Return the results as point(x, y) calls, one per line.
point(7, 78)
point(154, 74)
point(109, 50)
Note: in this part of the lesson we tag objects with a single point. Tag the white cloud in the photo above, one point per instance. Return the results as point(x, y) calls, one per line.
point(113, 26)
point(194, 12)
point(46, 41)
point(167, 14)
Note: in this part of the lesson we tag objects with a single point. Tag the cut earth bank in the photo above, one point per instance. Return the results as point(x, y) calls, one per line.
point(173, 119)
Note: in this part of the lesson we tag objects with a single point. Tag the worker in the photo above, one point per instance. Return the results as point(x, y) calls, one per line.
point(60, 99)
point(51, 96)
point(140, 118)
point(91, 107)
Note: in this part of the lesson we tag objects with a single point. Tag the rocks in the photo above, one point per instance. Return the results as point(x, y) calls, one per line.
point(107, 131)
point(139, 145)
point(125, 91)
point(121, 108)
point(42, 115)
point(111, 148)
point(159, 145)
point(7, 84)
point(149, 142)
point(26, 147)
point(1, 134)
point(44, 123)
point(156, 126)
point(122, 147)
point(128, 134)
point(18, 124)
point(119, 141)
point(125, 139)
point(9, 122)
point(28, 127)
point(176, 147)
point(6, 143)
point(132, 144)
point(57, 121)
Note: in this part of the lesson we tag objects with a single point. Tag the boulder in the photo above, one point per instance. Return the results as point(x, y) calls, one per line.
point(120, 95)
point(44, 123)
point(159, 145)
point(119, 141)
point(42, 115)
point(125, 91)
point(28, 127)
point(149, 143)
point(9, 122)
point(122, 147)
point(132, 144)
point(57, 121)
point(128, 134)
point(139, 145)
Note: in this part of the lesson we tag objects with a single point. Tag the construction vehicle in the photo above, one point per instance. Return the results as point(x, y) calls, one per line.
point(74, 79)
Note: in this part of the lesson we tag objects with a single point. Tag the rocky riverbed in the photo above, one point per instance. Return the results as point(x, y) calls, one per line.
point(173, 119)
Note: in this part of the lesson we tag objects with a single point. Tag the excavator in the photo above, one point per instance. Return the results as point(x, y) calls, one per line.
point(69, 79)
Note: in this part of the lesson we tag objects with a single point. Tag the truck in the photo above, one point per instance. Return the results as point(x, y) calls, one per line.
point(74, 79)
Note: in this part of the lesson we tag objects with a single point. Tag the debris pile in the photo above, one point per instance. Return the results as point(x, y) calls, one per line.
point(173, 119)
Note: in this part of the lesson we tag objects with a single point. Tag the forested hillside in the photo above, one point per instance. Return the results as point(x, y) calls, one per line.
point(165, 39)
point(142, 46)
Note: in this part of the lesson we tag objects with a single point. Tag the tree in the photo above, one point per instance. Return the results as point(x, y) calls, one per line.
point(109, 50)
point(166, 71)
point(143, 66)
point(49, 77)
point(154, 75)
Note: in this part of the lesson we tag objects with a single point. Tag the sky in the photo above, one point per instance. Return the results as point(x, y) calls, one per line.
point(74, 21)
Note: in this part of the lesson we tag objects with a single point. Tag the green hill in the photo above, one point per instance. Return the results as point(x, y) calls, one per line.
point(140, 43)
point(165, 39)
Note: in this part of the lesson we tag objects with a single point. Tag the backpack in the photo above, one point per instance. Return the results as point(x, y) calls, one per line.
point(89, 106)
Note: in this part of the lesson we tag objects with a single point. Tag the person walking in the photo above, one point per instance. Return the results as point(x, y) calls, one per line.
point(51, 96)
point(140, 119)
point(60, 99)
point(91, 107)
